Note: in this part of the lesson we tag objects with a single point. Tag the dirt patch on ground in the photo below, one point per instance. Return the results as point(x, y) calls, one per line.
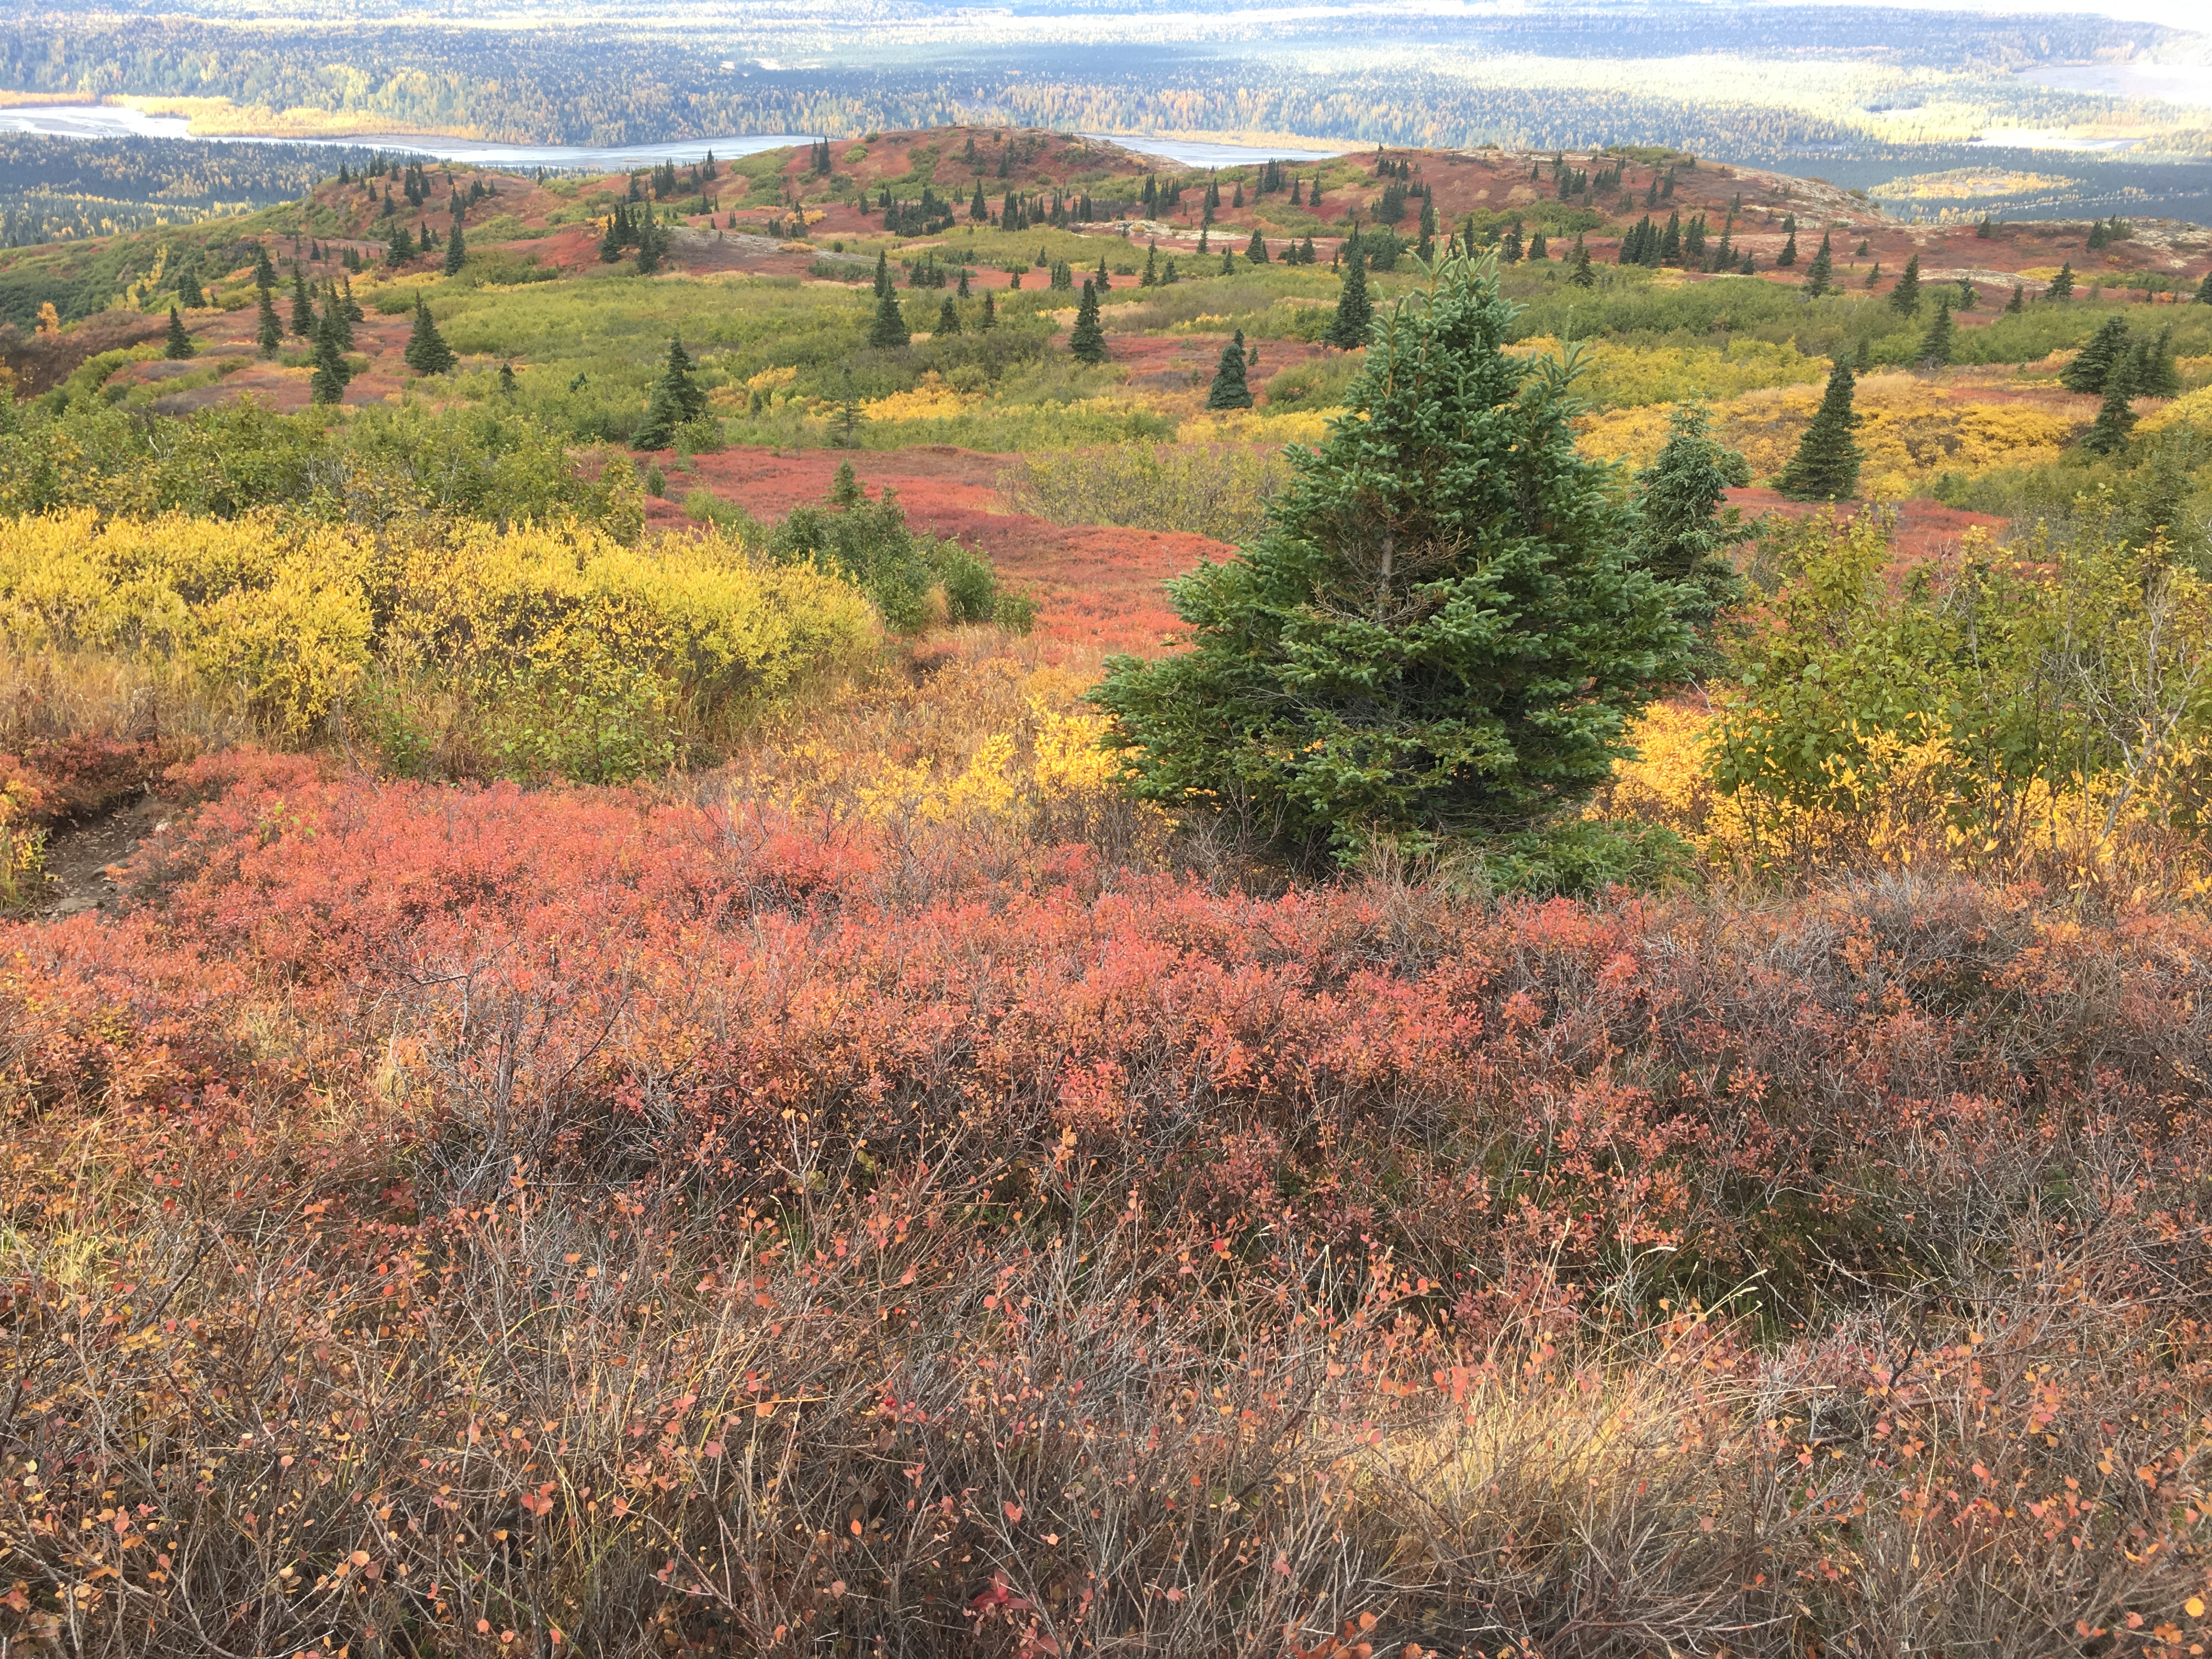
point(83, 859)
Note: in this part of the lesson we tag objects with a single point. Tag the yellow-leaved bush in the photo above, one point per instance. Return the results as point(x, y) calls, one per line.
point(987, 748)
point(1909, 432)
point(289, 617)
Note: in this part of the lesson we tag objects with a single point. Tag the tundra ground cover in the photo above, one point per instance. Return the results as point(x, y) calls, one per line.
point(873, 1187)
point(965, 1238)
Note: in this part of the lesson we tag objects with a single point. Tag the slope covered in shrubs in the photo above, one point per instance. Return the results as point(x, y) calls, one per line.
point(663, 1220)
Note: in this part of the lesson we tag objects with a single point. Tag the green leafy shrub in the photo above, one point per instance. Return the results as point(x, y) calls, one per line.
point(1220, 490)
point(903, 570)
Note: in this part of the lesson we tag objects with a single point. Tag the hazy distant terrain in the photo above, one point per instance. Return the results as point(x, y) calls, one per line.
point(1859, 94)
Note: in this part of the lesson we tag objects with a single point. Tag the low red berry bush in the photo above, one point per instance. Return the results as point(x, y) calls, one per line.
point(445, 1220)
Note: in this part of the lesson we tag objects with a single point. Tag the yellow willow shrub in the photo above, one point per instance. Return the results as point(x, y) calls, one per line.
point(1256, 426)
point(288, 617)
point(1050, 758)
point(700, 613)
point(1909, 432)
point(931, 400)
point(1892, 799)
point(2194, 409)
point(2045, 718)
point(278, 614)
point(1622, 376)
point(987, 744)
point(1220, 490)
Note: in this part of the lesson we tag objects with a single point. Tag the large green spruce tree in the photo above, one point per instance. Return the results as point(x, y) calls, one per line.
point(1442, 628)
point(675, 399)
point(1682, 526)
point(427, 351)
point(1347, 330)
point(1826, 467)
point(1231, 389)
point(1087, 340)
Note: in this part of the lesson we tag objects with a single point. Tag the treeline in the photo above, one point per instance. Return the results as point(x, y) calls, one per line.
point(599, 88)
point(182, 172)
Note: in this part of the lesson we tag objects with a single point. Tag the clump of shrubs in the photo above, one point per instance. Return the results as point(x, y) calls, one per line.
point(915, 578)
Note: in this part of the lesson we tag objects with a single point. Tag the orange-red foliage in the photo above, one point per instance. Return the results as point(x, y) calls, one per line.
point(661, 1221)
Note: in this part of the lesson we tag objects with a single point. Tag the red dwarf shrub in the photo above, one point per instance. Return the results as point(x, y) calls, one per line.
point(682, 1228)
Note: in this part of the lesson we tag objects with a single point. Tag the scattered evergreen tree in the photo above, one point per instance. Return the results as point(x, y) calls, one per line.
point(455, 249)
point(2094, 363)
point(948, 317)
point(1968, 299)
point(1439, 632)
point(1579, 272)
point(1788, 257)
point(178, 344)
point(2062, 285)
point(2204, 290)
point(990, 319)
point(1354, 310)
point(1935, 344)
point(1537, 247)
point(427, 351)
point(888, 328)
point(1229, 389)
point(264, 272)
point(401, 248)
point(328, 383)
point(1683, 527)
point(270, 335)
point(1820, 276)
point(507, 383)
point(303, 304)
point(2116, 418)
point(2018, 303)
point(1256, 249)
point(1904, 298)
point(1826, 467)
point(189, 294)
point(2156, 374)
point(336, 318)
point(1087, 340)
point(674, 400)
